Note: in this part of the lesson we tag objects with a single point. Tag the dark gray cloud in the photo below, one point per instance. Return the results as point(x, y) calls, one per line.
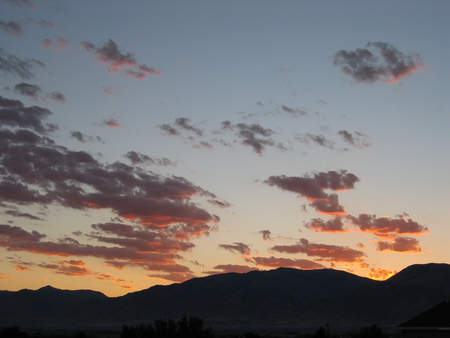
point(378, 61)
point(21, 3)
point(56, 96)
point(357, 140)
point(25, 117)
point(316, 139)
point(255, 136)
point(16, 213)
point(23, 68)
point(138, 158)
point(12, 27)
point(27, 89)
point(241, 248)
point(84, 138)
point(267, 235)
point(276, 262)
point(293, 111)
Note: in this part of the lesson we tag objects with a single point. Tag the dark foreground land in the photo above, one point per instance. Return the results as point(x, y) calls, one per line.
point(372, 331)
point(265, 302)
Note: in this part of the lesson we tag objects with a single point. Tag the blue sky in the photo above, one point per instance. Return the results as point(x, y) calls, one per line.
point(182, 139)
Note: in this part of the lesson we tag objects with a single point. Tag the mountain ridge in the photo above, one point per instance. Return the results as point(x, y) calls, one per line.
point(278, 299)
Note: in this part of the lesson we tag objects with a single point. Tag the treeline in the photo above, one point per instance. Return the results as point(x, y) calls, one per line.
point(191, 327)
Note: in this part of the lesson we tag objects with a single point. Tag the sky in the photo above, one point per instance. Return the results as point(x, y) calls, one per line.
point(150, 142)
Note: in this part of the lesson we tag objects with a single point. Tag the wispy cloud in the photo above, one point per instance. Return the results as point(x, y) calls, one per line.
point(110, 54)
point(23, 68)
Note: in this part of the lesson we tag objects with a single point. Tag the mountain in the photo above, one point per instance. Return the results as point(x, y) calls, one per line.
point(275, 300)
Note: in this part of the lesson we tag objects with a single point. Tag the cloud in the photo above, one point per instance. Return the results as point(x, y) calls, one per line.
point(56, 96)
point(378, 61)
point(109, 90)
point(27, 89)
point(138, 158)
point(276, 262)
point(293, 111)
point(22, 3)
point(332, 225)
point(111, 122)
point(229, 268)
point(37, 170)
point(16, 213)
point(181, 124)
point(387, 227)
point(313, 188)
point(381, 274)
point(18, 234)
point(23, 68)
point(317, 139)
point(12, 27)
point(110, 54)
point(74, 268)
point(84, 138)
point(58, 44)
point(383, 227)
point(400, 244)
point(24, 117)
point(266, 235)
point(324, 252)
point(358, 140)
point(240, 248)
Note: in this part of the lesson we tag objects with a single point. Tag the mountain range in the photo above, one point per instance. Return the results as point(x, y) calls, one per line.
point(284, 299)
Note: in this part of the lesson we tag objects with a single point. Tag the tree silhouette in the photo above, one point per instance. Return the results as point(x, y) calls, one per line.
point(191, 327)
point(13, 332)
point(370, 332)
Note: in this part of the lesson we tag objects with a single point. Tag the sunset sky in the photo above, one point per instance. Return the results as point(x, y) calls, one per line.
point(151, 142)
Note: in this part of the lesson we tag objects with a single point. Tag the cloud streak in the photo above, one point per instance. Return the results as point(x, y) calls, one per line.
point(110, 54)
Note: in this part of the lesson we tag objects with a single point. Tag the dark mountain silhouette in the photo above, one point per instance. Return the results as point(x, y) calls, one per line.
point(281, 299)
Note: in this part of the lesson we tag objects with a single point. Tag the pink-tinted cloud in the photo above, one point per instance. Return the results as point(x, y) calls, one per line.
point(74, 268)
point(110, 54)
point(387, 227)
point(379, 61)
point(400, 244)
point(36, 170)
point(22, 268)
point(383, 227)
point(324, 252)
point(57, 45)
point(276, 262)
point(111, 122)
point(313, 188)
point(333, 225)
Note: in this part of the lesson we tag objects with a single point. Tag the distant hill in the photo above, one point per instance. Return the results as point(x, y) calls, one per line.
point(281, 299)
